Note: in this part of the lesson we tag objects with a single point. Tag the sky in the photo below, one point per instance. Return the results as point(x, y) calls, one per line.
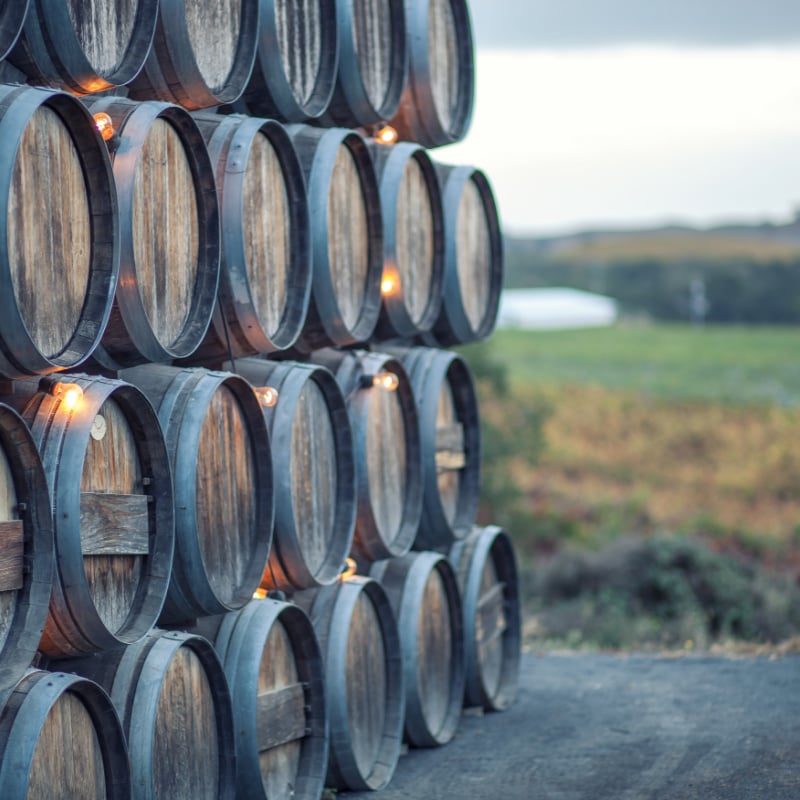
point(612, 113)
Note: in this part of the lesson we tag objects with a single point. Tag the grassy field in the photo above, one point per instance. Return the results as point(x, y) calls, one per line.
point(647, 431)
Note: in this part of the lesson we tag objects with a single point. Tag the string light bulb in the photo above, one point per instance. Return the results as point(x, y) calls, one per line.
point(349, 569)
point(386, 380)
point(70, 394)
point(259, 594)
point(105, 125)
point(388, 285)
point(386, 135)
point(268, 396)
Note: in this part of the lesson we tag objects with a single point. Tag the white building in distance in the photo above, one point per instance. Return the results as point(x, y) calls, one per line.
point(548, 309)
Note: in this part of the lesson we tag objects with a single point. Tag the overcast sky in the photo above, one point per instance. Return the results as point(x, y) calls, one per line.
point(636, 112)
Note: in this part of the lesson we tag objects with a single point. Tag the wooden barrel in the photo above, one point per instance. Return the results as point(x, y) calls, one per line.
point(436, 106)
point(26, 548)
point(346, 236)
point(12, 17)
point(487, 575)
point(314, 471)
point(265, 280)
point(85, 46)
point(59, 248)
point(111, 494)
point(277, 681)
point(60, 738)
point(172, 697)
point(450, 436)
point(360, 645)
point(423, 591)
point(169, 234)
point(372, 62)
point(202, 53)
point(385, 427)
point(220, 456)
point(413, 241)
point(473, 257)
point(295, 68)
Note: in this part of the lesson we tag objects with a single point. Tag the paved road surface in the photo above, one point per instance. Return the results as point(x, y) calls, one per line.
point(596, 727)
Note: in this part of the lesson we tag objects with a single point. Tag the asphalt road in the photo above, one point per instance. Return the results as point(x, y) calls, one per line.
point(598, 727)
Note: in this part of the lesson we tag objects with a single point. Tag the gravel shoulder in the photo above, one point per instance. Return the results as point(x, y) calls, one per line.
point(630, 727)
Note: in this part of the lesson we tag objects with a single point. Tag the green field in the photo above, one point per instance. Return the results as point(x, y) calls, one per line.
point(684, 441)
point(742, 365)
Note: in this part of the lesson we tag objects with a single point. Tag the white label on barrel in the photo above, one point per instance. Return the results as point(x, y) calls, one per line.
point(99, 428)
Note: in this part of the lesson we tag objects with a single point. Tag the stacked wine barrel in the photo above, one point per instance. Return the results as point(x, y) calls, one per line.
point(239, 471)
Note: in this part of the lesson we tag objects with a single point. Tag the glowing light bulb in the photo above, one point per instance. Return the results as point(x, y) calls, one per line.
point(386, 135)
point(387, 381)
point(388, 285)
point(70, 393)
point(268, 396)
point(259, 594)
point(349, 570)
point(105, 125)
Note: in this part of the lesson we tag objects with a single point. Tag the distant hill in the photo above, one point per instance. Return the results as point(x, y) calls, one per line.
point(743, 273)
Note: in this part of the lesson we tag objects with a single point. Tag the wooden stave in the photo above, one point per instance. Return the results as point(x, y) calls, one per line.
point(170, 389)
point(452, 326)
point(395, 320)
point(128, 338)
point(236, 329)
point(49, 52)
point(429, 369)
point(404, 581)
point(22, 641)
point(416, 119)
point(133, 677)
point(350, 369)
point(268, 92)
point(350, 105)
point(24, 708)
point(468, 557)
point(317, 150)
point(286, 569)
point(330, 609)
point(73, 625)
point(19, 357)
point(239, 642)
point(170, 72)
point(12, 18)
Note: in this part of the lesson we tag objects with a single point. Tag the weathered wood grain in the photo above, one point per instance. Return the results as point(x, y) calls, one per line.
point(366, 684)
point(313, 464)
point(185, 742)
point(490, 624)
point(12, 548)
point(165, 231)
point(49, 232)
point(372, 37)
point(8, 515)
point(267, 233)
point(227, 529)
point(414, 240)
point(473, 255)
point(386, 468)
point(103, 29)
point(300, 41)
point(112, 465)
point(435, 653)
point(443, 60)
point(68, 759)
point(214, 29)
point(114, 524)
point(348, 237)
point(281, 715)
point(447, 480)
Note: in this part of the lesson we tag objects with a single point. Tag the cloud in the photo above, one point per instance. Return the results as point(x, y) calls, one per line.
point(533, 24)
